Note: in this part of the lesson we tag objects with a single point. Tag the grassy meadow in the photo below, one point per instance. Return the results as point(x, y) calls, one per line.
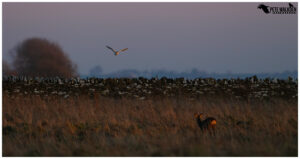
point(101, 126)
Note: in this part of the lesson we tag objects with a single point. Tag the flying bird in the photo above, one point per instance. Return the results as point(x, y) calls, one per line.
point(291, 6)
point(116, 52)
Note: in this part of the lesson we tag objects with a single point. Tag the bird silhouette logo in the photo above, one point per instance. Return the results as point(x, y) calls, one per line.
point(264, 8)
point(115, 51)
point(278, 10)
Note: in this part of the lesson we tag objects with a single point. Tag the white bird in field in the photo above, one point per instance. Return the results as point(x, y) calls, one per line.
point(116, 52)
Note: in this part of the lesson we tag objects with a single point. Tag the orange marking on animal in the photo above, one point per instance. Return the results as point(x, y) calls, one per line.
point(214, 122)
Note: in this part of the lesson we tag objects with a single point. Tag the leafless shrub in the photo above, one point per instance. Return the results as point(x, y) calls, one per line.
point(40, 57)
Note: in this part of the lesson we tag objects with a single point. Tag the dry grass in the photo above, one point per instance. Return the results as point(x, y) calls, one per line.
point(101, 126)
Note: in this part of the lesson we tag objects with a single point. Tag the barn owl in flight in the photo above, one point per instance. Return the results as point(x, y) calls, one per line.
point(116, 52)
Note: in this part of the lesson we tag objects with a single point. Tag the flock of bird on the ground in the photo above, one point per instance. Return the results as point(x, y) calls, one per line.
point(143, 88)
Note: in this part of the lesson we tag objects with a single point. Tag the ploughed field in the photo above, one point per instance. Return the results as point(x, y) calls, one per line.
point(148, 117)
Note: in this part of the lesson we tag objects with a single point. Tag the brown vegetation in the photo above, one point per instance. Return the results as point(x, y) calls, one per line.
point(101, 126)
point(40, 57)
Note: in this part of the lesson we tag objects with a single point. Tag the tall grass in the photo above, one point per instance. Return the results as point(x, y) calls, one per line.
point(98, 126)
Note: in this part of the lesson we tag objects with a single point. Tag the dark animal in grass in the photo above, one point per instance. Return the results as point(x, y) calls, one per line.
point(207, 124)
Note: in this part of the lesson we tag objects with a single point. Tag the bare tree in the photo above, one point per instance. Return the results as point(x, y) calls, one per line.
point(40, 57)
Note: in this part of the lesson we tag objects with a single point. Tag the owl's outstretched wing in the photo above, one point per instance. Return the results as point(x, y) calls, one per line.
point(110, 48)
point(123, 49)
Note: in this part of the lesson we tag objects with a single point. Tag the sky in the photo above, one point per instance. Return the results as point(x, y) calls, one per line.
point(212, 37)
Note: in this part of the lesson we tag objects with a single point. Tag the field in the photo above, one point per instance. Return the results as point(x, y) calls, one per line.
point(84, 124)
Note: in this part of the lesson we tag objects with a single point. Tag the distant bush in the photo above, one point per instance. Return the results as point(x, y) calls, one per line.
point(40, 57)
point(6, 69)
point(96, 71)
